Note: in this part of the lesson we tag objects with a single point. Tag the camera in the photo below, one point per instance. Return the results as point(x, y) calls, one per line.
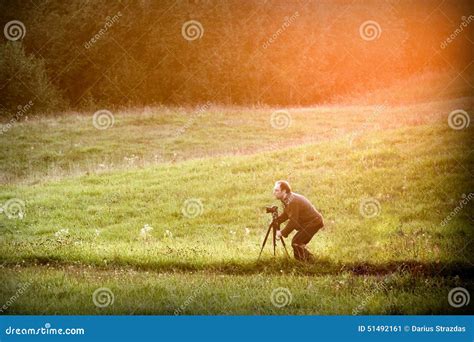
point(272, 210)
point(274, 227)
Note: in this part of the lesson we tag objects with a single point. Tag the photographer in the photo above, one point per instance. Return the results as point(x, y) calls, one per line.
point(302, 216)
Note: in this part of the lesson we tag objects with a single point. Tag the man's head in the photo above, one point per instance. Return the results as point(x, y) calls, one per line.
point(281, 189)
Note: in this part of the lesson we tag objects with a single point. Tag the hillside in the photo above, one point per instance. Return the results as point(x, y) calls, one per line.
point(384, 195)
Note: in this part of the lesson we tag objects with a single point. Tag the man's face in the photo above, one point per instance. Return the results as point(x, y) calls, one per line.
point(277, 192)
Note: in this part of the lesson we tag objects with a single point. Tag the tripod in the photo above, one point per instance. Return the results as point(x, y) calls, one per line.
point(273, 226)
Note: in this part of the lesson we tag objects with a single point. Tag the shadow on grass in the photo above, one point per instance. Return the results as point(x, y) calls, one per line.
point(321, 266)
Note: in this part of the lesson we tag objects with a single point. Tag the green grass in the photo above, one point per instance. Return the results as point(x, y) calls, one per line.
point(51, 148)
point(70, 290)
point(417, 171)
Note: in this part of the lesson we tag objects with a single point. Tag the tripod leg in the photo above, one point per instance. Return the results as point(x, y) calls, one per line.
point(274, 241)
point(265, 240)
point(284, 246)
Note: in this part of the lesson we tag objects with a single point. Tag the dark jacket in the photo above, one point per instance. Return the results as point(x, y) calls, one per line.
point(301, 213)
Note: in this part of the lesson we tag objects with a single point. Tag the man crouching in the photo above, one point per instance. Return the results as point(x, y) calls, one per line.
point(303, 217)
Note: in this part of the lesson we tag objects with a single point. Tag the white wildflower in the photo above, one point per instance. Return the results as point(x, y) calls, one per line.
point(144, 232)
point(61, 233)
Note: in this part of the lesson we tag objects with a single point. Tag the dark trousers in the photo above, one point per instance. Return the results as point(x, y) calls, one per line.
point(299, 241)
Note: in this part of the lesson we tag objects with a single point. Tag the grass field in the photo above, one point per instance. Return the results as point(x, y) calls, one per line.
point(383, 177)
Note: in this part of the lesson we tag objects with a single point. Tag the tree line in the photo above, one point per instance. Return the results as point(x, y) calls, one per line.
point(90, 54)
